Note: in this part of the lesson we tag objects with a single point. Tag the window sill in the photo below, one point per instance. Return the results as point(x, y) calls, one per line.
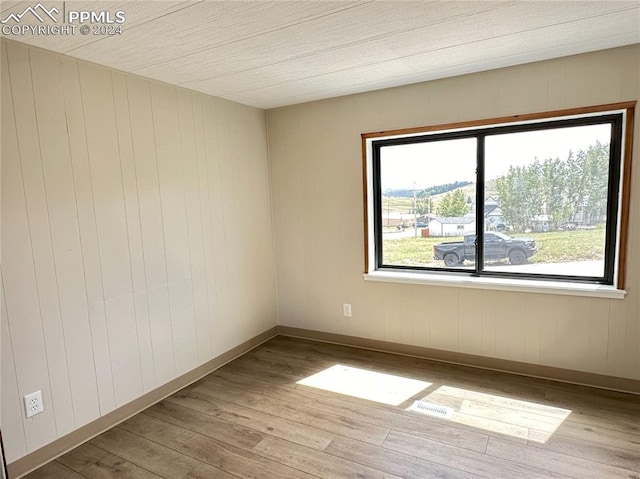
point(519, 285)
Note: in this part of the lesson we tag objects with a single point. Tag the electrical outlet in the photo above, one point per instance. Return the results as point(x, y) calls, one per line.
point(346, 310)
point(33, 403)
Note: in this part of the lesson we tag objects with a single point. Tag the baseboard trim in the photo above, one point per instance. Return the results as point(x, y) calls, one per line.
point(60, 446)
point(514, 367)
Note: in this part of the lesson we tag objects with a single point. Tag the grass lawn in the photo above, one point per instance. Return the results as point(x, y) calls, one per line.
point(553, 247)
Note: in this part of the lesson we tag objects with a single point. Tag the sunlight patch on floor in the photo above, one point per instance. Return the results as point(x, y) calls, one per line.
point(365, 384)
point(512, 417)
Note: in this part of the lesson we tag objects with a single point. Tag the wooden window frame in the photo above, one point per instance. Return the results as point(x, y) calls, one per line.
point(625, 167)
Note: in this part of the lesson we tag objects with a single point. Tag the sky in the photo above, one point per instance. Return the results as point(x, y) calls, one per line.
point(428, 164)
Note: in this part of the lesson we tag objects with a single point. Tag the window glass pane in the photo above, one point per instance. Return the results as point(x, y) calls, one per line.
point(428, 198)
point(546, 201)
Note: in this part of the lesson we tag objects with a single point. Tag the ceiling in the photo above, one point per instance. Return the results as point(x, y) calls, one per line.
point(274, 53)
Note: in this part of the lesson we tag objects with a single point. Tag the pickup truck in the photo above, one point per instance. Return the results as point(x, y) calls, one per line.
point(497, 246)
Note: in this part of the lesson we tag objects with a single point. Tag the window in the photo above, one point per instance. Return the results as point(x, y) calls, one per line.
point(538, 197)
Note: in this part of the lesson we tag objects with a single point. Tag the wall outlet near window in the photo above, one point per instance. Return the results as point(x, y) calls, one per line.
point(346, 310)
point(33, 403)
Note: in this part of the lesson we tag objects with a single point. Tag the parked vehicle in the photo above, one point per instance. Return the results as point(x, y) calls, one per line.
point(567, 227)
point(497, 246)
point(420, 224)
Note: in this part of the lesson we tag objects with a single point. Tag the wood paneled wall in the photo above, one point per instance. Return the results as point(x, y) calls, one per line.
point(316, 162)
point(136, 238)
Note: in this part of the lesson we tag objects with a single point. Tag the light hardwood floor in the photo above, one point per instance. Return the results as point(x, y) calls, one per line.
point(251, 419)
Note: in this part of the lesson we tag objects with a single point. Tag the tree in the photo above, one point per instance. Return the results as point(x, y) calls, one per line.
point(513, 197)
point(424, 202)
point(574, 190)
point(553, 191)
point(453, 204)
point(596, 173)
point(574, 185)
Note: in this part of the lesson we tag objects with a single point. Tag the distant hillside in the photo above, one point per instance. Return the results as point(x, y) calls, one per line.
point(431, 191)
point(469, 190)
point(401, 200)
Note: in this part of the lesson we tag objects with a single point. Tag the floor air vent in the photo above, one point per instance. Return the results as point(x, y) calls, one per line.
point(435, 410)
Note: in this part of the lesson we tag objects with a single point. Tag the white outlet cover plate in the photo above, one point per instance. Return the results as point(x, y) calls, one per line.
point(33, 403)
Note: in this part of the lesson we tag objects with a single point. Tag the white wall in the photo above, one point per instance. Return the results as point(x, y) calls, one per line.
point(439, 229)
point(136, 238)
point(316, 162)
